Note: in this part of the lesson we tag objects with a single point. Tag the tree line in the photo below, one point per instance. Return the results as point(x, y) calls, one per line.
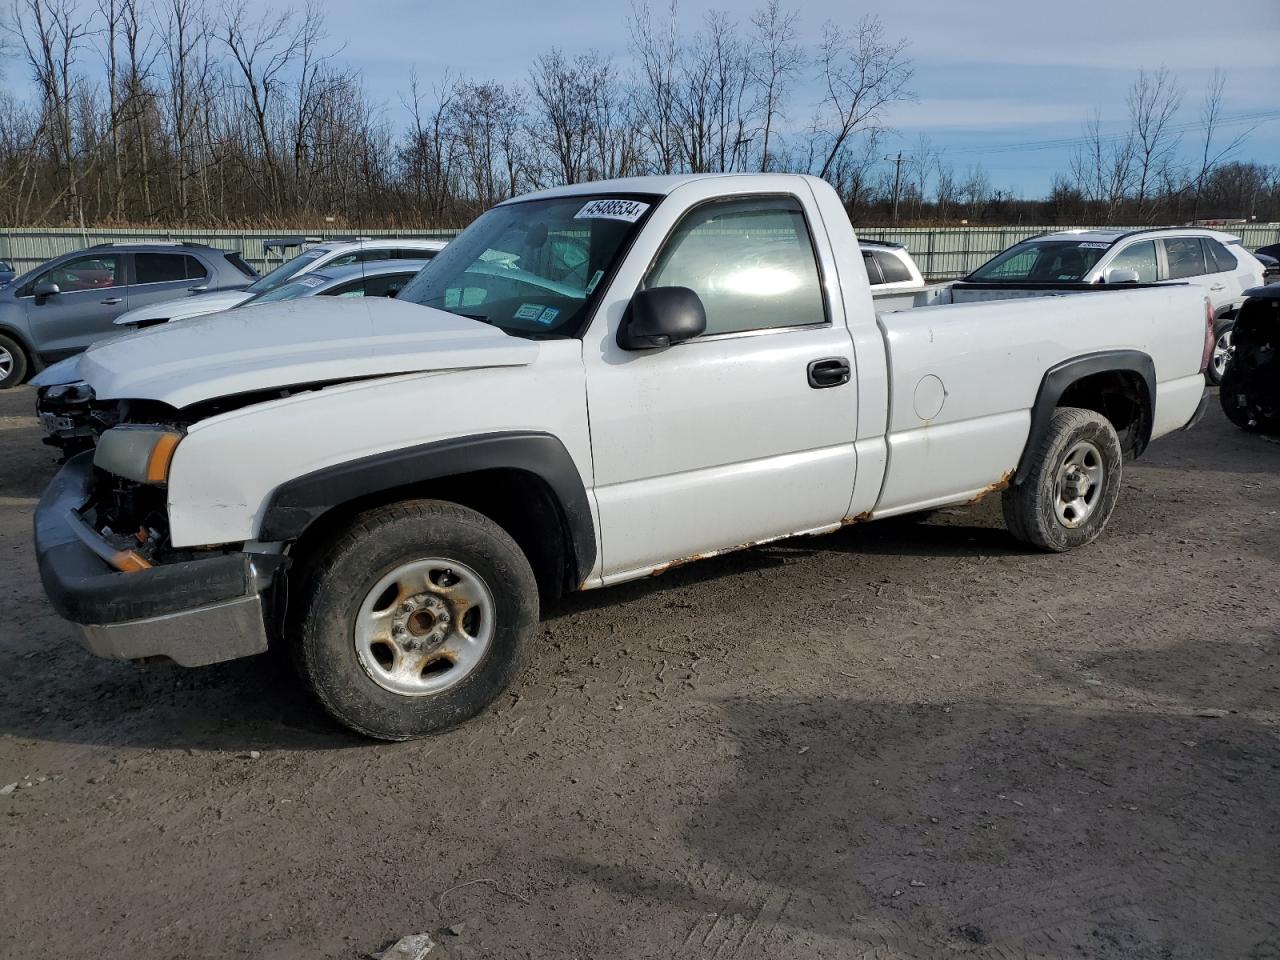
point(213, 112)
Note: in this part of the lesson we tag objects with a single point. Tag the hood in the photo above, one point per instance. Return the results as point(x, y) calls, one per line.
point(180, 308)
point(64, 371)
point(291, 343)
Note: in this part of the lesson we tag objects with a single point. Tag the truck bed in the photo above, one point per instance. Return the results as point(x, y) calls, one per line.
point(956, 429)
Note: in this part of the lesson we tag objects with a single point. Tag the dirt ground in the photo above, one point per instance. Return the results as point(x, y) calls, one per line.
point(902, 740)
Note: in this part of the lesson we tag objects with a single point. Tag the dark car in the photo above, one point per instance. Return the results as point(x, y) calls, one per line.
point(1250, 393)
point(61, 307)
point(1271, 250)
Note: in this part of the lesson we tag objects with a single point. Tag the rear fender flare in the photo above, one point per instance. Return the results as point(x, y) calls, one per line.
point(1061, 376)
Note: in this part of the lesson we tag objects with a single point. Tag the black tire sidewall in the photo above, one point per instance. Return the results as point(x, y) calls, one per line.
point(1228, 394)
point(1034, 500)
point(21, 364)
point(371, 548)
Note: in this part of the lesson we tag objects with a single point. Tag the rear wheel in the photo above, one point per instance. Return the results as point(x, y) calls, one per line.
point(13, 362)
point(414, 619)
point(1073, 484)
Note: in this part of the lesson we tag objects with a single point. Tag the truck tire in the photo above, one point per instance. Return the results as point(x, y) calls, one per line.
point(1072, 487)
point(414, 618)
point(1220, 358)
point(13, 362)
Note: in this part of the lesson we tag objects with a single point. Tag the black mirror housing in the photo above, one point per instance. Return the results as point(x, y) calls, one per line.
point(46, 288)
point(661, 316)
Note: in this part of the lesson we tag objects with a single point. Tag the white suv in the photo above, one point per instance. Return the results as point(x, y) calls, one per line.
point(323, 254)
point(1207, 258)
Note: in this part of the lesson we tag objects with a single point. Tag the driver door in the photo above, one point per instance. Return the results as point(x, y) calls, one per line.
point(728, 438)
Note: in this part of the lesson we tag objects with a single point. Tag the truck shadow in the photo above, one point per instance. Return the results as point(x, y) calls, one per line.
point(953, 533)
point(910, 830)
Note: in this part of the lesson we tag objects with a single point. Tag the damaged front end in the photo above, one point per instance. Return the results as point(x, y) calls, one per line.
point(107, 561)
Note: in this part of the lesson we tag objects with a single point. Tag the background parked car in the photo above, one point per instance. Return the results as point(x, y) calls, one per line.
point(6, 272)
point(62, 306)
point(1250, 394)
point(1207, 258)
point(62, 403)
point(328, 254)
point(1271, 250)
point(382, 278)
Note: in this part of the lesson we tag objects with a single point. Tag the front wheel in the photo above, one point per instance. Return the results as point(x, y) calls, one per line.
point(1073, 484)
point(414, 619)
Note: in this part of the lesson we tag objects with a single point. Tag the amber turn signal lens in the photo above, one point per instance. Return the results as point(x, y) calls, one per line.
point(161, 457)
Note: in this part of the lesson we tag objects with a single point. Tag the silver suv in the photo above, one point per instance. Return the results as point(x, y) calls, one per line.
point(64, 305)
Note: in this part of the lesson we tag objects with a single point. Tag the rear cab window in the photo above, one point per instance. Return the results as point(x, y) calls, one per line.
point(891, 267)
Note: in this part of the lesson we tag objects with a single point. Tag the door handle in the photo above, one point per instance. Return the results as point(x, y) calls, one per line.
point(1218, 286)
point(200, 289)
point(112, 301)
point(829, 372)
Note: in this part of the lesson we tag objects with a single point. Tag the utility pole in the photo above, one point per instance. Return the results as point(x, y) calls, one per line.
point(898, 160)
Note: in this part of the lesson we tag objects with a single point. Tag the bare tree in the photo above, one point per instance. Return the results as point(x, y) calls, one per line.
point(862, 74)
point(775, 60)
point(1102, 167)
point(1212, 152)
point(1153, 101)
point(658, 50)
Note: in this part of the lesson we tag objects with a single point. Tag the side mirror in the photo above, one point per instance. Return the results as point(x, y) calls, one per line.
point(1120, 275)
point(660, 317)
point(45, 289)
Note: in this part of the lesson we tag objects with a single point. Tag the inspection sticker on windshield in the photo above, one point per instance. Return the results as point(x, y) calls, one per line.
point(628, 210)
point(529, 311)
point(548, 316)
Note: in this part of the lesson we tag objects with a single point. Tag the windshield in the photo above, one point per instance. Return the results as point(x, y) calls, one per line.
point(287, 269)
point(1043, 261)
point(301, 287)
point(532, 268)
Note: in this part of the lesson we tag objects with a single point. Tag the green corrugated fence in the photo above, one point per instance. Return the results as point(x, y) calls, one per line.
point(940, 251)
point(27, 247)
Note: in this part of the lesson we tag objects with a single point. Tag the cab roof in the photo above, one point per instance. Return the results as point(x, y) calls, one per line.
point(653, 186)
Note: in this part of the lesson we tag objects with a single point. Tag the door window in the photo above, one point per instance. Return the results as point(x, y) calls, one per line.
point(166, 268)
point(83, 273)
point(751, 261)
point(1185, 256)
point(1218, 255)
point(1139, 257)
point(353, 289)
point(387, 285)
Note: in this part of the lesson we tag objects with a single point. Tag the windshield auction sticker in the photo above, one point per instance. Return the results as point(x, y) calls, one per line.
point(628, 210)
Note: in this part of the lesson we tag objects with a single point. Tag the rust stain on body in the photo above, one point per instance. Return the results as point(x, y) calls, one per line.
point(1001, 484)
point(862, 517)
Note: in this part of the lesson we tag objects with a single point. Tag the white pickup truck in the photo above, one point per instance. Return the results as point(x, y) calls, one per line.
point(589, 385)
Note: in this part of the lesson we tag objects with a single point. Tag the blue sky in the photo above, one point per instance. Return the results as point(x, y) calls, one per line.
point(988, 74)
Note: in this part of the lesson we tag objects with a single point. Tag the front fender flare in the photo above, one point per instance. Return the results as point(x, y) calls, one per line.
point(298, 503)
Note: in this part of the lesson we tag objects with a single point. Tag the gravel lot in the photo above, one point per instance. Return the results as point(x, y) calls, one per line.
point(902, 740)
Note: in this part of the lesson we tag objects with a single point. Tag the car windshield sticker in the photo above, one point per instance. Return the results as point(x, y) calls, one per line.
point(548, 316)
point(628, 210)
point(595, 278)
point(311, 281)
point(1094, 246)
point(529, 311)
